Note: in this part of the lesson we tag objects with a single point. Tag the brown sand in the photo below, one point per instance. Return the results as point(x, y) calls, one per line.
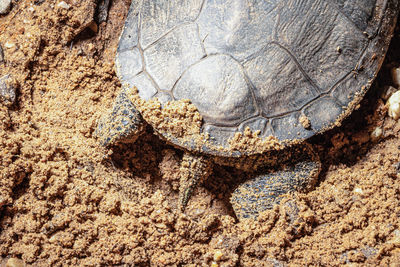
point(66, 201)
point(180, 121)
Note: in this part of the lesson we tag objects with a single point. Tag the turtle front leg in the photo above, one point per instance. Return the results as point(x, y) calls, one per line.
point(122, 124)
point(298, 172)
point(193, 169)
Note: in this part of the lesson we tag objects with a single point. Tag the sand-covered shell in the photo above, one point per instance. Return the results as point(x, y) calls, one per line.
point(269, 66)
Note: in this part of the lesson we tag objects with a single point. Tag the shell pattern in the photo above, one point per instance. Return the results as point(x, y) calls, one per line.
point(262, 64)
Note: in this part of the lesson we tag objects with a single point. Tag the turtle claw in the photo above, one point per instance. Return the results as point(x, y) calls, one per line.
point(267, 189)
point(122, 124)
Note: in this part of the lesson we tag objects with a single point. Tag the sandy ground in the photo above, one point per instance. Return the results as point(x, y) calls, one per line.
point(65, 201)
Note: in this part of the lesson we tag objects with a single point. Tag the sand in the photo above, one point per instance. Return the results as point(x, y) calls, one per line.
point(66, 201)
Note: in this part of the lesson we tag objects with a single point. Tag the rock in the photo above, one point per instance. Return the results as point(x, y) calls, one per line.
point(1, 55)
point(7, 91)
point(63, 5)
point(15, 262)
point(396, 76)
point(358, 190)
point(274, 262)
point(394, 105)
point(397, 166)
point(218, 255)
point(376, 134)
point(360, 254)
point(5, 7)
point(388, 92)
point(83, 17)
point(9, 44)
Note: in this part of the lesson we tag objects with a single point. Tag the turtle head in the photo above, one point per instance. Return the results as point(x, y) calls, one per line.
point(122, 124)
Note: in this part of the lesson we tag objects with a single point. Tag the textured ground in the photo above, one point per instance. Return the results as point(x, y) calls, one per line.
point(66, 201)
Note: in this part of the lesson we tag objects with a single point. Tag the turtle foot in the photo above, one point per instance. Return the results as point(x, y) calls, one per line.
point(122, 124)
point(267, 189)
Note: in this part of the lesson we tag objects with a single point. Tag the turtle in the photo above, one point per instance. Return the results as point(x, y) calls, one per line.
point(245, 84)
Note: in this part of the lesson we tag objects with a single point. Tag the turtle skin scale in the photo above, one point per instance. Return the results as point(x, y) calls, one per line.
point(266, 65)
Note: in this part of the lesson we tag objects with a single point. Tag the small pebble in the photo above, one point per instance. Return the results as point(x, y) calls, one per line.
point(1, 55)
point(9, 44)
point(397, 166)
point(388, 92)
point(376, 134)
point(394, 105)
point(358, 190)
point(7, 91)
point(5, 7)
point(3, 201)
point(396, 76)
point(218, 255)
point(15, 262)
point(64, 5)
point(396, 238)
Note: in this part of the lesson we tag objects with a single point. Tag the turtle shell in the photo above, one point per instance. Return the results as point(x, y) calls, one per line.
point(289, 69)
